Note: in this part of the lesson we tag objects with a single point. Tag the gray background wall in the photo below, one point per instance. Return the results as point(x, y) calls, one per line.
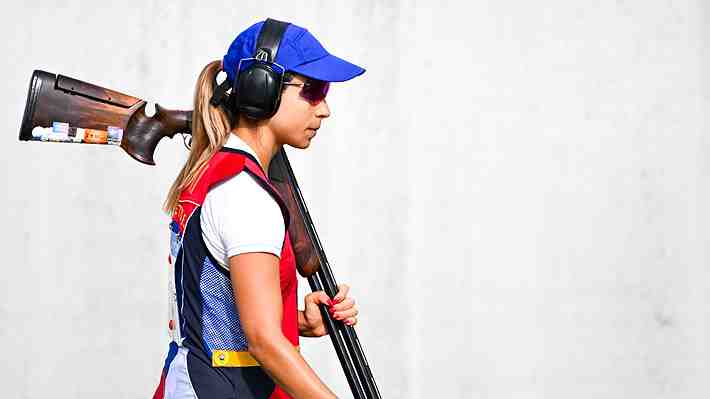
point(517, 192)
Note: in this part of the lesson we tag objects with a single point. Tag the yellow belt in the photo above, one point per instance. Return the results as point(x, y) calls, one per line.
point(222, 358)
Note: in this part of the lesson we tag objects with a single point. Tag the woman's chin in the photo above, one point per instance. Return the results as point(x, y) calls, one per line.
point(303, 141)
point(302, 145)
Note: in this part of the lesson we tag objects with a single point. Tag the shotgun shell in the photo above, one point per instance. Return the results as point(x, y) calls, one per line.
point(37, 132)
point(60, 127)
point(115, 135)
point(95, 136)
point(60, 132)
point(79, 135)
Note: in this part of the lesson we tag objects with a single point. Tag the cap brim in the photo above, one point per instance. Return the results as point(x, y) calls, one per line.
point(329, 68)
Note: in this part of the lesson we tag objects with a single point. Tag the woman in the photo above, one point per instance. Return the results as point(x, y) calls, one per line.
point(236, 324)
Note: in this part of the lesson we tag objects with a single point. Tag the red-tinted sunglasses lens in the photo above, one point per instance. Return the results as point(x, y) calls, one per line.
point(315, 91)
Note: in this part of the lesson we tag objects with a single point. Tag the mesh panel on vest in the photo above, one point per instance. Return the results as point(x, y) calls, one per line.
point(221, 329)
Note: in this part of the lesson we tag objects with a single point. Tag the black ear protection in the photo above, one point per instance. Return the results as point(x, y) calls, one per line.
point(256, 91)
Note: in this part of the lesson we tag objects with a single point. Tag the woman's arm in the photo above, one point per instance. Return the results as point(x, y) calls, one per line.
point(255, 280)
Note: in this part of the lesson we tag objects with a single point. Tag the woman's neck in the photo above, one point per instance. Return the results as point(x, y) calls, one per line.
point(262, 141)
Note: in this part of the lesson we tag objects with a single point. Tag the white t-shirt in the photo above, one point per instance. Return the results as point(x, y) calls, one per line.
point(239, 216)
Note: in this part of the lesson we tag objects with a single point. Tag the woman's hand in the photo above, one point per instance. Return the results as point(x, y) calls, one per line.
point(341, 308)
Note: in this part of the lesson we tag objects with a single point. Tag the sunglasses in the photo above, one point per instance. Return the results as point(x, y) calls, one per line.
point(313, 91)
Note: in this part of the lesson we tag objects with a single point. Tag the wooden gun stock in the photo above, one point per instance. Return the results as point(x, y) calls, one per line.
point(55, 98)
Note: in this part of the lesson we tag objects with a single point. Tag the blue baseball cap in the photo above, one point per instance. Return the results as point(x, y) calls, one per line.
point(299, 52)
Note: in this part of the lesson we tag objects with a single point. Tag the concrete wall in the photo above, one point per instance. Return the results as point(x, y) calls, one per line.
point(517, 192)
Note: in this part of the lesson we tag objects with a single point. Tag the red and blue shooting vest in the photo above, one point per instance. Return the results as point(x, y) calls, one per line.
point(204, 318)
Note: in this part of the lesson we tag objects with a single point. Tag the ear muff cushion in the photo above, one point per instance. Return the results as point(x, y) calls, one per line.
point(258, 91)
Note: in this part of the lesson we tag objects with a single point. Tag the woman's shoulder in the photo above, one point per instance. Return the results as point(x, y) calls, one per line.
point(242, 188)
point(238, 215)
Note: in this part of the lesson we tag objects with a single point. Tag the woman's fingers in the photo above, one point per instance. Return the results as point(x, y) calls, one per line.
point(342, 292)
point(323, 297)
point(345, 314)
point(347, 303)
point(318, 297)
point(343, 308)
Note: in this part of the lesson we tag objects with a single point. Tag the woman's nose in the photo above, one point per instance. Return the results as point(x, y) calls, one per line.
point(323, 110)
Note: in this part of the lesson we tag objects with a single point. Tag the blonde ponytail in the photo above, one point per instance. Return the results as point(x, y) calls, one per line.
point(211, 127)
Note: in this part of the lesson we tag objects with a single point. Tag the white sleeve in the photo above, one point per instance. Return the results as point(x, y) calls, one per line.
point(239, 216)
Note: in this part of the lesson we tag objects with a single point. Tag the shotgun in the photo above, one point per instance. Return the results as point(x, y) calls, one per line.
point(64, 109)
